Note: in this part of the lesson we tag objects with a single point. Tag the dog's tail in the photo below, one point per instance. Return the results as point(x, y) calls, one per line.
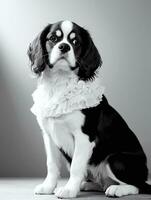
point(145, 189)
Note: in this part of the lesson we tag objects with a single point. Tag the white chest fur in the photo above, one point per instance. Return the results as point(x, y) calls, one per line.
point(62, 93)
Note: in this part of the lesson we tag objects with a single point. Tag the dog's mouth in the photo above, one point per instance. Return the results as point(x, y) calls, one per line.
point(62, 59)
point(65, 65)
point(62, 64)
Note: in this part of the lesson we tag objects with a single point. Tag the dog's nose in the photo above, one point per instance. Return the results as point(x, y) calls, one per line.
point(64, 47)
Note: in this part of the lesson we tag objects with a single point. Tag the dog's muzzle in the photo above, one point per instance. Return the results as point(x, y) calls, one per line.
point(62, 55)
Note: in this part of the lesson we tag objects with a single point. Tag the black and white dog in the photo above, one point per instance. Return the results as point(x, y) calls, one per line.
point(77, 121)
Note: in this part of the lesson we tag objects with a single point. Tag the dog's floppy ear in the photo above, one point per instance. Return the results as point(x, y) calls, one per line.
point(90, 58)
point(37, 52)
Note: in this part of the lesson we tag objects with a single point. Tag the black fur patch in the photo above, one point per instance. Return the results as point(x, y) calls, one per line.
point(115, 142)
point(43, 40)
point(89, 58)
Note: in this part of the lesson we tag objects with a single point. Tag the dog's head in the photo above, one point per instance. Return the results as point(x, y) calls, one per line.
point(67, 46)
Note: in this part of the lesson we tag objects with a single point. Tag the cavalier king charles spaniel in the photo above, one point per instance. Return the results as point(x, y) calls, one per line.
point(77, 121)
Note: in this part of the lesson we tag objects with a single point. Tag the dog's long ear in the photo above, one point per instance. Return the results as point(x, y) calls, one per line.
point(37, 52)
point(90, 58)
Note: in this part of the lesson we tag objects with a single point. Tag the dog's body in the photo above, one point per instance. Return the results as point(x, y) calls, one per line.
point(77, 121)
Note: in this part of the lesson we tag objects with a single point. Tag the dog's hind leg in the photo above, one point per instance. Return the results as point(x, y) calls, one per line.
point(129, 171)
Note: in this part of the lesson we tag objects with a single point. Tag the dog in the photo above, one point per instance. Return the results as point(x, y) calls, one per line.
point(77, 121)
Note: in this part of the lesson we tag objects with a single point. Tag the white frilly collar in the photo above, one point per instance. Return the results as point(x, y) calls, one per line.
point(55, 96)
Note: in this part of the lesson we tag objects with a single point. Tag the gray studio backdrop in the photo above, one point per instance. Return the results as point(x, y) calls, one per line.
point(121, 30)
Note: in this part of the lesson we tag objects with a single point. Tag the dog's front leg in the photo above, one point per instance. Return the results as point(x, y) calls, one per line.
point(82, 153)
point(53, 157)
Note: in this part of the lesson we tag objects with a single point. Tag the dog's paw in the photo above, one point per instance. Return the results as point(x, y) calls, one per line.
point(120, 190)
point(44, 189)
point(65, 192)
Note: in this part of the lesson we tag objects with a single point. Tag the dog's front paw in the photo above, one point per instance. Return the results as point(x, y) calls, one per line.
point(44, 189)
point(65, 192)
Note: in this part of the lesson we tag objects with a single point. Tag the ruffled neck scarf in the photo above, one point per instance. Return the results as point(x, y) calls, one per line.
point(62, 93)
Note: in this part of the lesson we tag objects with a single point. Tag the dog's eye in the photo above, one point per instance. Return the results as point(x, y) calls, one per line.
point(53, 38)
point(75, 42)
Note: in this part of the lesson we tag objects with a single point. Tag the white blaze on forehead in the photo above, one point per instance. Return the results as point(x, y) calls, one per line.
point(66, 27)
